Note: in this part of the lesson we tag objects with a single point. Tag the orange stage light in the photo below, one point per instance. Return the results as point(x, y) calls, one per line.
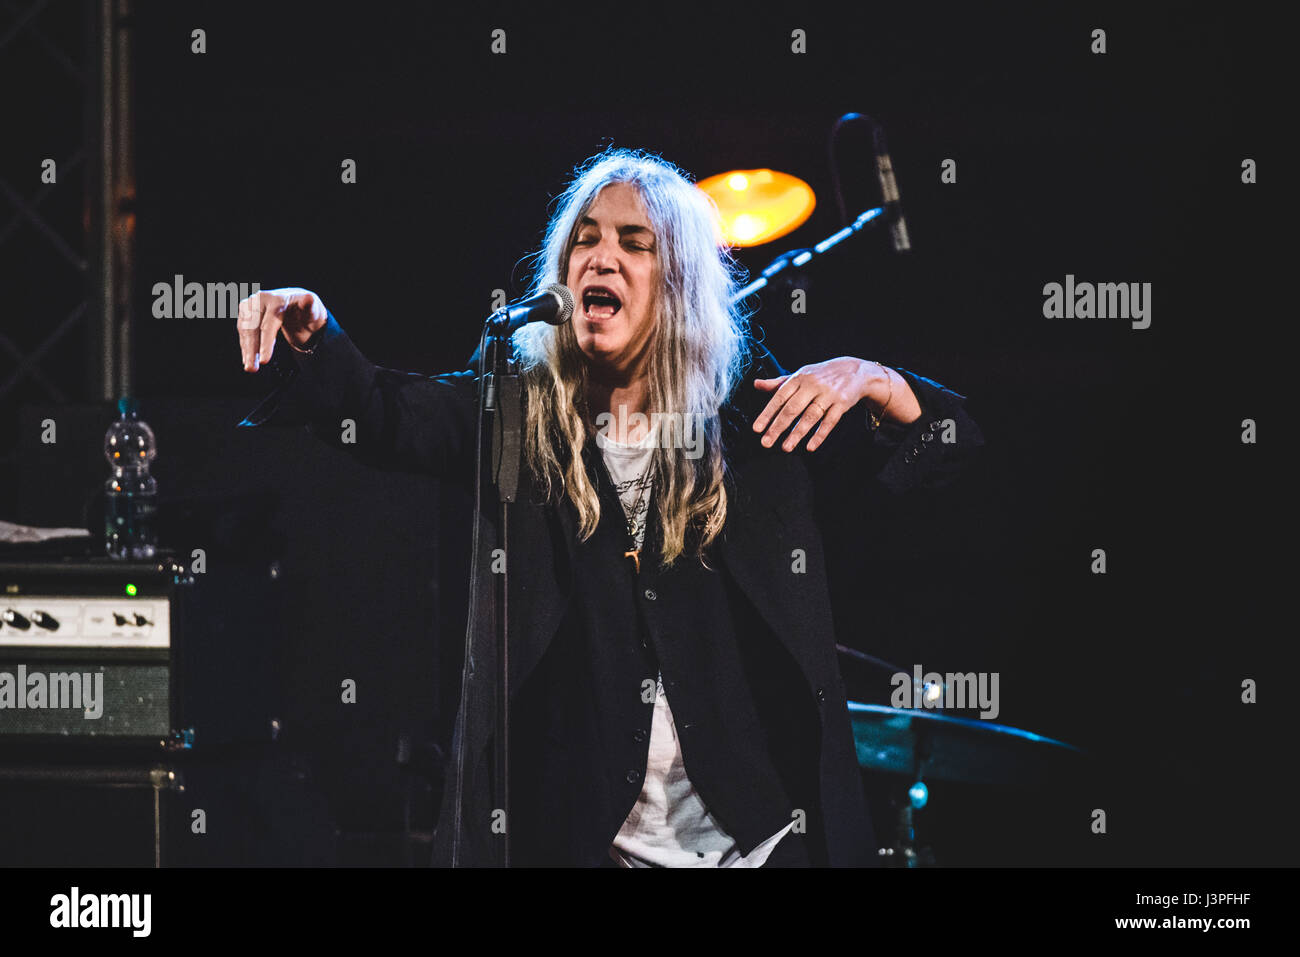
point(759, 205)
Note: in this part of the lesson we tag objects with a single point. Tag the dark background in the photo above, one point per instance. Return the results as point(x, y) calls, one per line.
point(1122, 167)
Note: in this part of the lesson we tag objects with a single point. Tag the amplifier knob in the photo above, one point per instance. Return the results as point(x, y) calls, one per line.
point(43, 620)
point(141, 621)
point(120, 619)
point(15, 620)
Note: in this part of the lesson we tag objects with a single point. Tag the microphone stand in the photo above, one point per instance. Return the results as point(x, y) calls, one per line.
point(890, 209)
point(504, 398)
point(501, 398)
point(798, 257)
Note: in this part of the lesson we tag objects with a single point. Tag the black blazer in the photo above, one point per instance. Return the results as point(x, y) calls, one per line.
point(427, 424)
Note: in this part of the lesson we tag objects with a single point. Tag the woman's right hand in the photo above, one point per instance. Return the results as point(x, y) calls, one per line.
point(299, 312)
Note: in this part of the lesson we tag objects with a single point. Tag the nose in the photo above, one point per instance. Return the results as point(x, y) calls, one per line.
point(602, 258)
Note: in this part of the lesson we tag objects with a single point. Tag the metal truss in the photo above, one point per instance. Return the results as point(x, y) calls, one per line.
point(100, 252)
point(98, 249)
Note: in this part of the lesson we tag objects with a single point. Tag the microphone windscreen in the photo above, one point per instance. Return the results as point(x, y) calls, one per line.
point(565, 312)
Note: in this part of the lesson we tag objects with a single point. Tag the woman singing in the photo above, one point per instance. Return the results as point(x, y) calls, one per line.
point(676, 698)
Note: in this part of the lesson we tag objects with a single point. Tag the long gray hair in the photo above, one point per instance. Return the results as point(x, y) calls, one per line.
point(696, 354)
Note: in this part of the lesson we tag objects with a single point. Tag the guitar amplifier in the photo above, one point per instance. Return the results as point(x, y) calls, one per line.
point(121, 682)
point(88, 653)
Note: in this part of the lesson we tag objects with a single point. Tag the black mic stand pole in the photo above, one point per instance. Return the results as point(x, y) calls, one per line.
point(501, 395)
point(798, 257)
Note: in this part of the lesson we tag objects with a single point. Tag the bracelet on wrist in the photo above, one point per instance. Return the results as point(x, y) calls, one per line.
point(875, 418)
point(306, 352)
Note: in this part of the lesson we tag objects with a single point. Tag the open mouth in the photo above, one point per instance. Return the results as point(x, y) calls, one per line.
point(599, 302)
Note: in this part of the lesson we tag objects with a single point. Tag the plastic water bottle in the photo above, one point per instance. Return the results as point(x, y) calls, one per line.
point(131, 493)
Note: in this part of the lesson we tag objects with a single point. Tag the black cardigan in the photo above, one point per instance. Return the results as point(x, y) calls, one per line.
point(427, 424)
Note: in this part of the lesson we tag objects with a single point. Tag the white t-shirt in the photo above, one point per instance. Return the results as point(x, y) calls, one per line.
point(669, 826)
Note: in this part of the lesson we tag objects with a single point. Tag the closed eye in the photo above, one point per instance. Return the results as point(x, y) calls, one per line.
point(590, 241)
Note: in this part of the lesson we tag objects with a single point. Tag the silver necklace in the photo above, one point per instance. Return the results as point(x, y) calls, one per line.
point(634, 552)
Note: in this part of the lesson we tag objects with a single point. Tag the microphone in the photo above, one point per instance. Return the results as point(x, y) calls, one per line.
point(554, 305)
point(889, 190)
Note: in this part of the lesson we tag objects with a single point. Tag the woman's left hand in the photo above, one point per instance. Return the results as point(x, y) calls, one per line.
point(823, 393)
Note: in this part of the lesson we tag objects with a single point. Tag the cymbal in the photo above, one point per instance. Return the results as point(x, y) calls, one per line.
point(939, 747)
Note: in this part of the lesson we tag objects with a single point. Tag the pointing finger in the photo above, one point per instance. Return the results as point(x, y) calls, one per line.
point(270, 325)
point(248, 323)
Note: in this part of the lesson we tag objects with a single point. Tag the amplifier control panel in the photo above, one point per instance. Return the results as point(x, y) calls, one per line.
point(34, 621)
